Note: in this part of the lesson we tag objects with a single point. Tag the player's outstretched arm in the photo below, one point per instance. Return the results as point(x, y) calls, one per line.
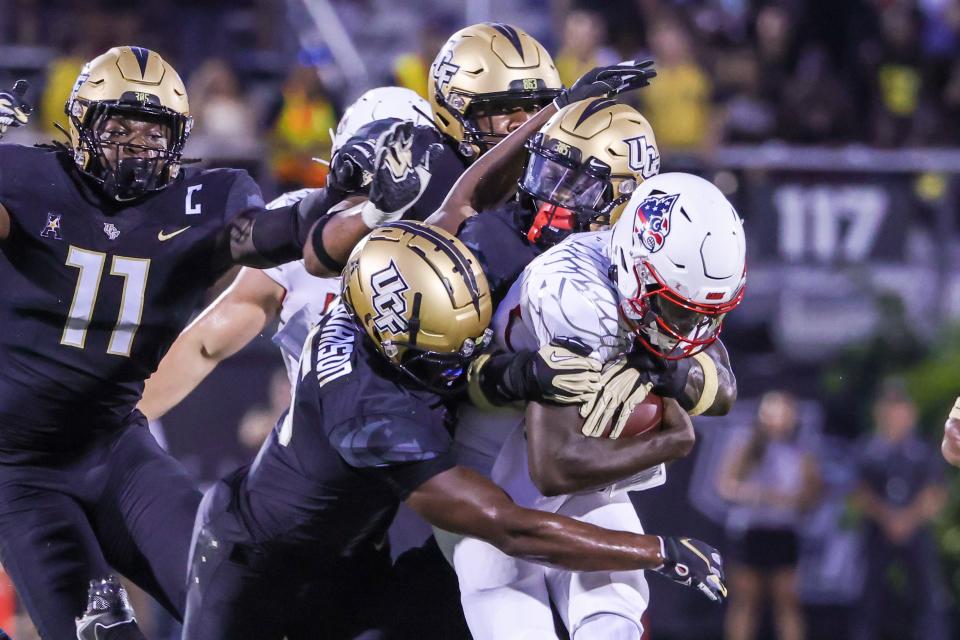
point(4, 223)
point(333, 237)
point(951, 436)
point(462, 501)
point(225, 327)
point(562, 460)
point(474, 186)
point(483, 181)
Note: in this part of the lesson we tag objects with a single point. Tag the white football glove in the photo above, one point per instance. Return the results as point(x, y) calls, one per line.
point(622, 389)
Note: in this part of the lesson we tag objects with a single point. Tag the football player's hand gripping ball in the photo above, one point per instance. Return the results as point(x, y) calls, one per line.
point(14, 111)
point(693, 563)
point(608, 81)
point(405, 155)
point(622, 388)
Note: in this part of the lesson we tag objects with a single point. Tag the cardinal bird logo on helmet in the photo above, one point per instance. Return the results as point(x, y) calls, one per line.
point(653, 216)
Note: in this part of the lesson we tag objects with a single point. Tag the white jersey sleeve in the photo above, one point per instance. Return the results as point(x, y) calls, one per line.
point(566, 294)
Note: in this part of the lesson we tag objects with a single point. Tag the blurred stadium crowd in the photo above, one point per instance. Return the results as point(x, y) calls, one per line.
point(825, 480)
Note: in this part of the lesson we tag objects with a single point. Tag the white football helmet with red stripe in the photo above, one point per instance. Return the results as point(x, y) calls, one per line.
point(679, 254)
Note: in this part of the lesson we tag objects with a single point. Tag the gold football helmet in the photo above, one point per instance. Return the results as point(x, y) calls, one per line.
point(423, 300)
point(584, 164)
point(484, 70)
point(136, 83)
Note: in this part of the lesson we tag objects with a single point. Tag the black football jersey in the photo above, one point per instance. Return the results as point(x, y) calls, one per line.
point(357, 440)
point(497, 238)
point(95, 291)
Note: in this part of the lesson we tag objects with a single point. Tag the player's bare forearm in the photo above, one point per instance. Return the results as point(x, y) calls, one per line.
point(340, 234)
point(225, 327)
point(718, 382)
point(563, 460)
point(490, 178)
point(463, 501)
point(951, 441)
point(4, 223)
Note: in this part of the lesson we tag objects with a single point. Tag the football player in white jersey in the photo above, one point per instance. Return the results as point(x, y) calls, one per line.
point(257, 296)
point(656, 286)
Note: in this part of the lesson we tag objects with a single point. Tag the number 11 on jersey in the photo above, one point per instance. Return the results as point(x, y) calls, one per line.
point(134, 272)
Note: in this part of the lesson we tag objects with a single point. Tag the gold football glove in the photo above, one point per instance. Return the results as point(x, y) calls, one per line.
point(622, 389)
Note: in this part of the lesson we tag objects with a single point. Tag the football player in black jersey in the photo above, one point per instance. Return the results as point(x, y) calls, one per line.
point(286, 548)
point(108, 246)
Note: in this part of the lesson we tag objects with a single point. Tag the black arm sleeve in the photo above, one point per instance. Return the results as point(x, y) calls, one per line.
point(265, 238)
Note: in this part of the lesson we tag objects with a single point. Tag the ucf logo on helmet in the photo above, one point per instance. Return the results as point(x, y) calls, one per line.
point(388, 301)
point(653, 216)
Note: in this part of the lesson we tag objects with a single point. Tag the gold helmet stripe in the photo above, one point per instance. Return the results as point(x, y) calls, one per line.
point(451, 251)
point(510, 34)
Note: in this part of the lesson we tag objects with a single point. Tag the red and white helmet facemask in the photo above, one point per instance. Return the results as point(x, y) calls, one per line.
point(679, 254)
point(668, 324)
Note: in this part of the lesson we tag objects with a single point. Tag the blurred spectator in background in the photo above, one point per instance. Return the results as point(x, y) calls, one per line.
point(221, 115)
point(583, 47)
point(897, 76)
point(410, 69)
point(62, 73)
point(770, 479)
point(677, 103)
point(816, 107)
point(302, 131)
point(950, 447)
point(900, 491)
point(258, 421)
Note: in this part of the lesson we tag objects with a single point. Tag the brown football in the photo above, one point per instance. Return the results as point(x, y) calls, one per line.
point(645, 418)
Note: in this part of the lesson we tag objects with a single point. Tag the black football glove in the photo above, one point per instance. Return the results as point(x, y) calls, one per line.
point(693, 563)
point(405, 155)
point(668, 377)
point(351, 168)
point(14, 111)
point(554, 374)
point(608, 81)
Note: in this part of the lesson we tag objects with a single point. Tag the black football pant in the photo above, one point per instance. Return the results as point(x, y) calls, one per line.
point(239, 589)
point(123, 506)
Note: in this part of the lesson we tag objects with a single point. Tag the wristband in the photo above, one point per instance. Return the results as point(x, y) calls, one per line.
point(316, 241)
point(711, 384)
point(955, 412)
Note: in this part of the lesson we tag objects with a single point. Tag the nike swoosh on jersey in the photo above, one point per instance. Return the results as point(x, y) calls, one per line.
point(163, 237)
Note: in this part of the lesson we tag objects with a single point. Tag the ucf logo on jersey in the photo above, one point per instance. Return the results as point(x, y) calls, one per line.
point(388, 301)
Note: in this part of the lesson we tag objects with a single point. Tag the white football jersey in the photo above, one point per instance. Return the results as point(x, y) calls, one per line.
point(564, 293)
point(306, 299)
